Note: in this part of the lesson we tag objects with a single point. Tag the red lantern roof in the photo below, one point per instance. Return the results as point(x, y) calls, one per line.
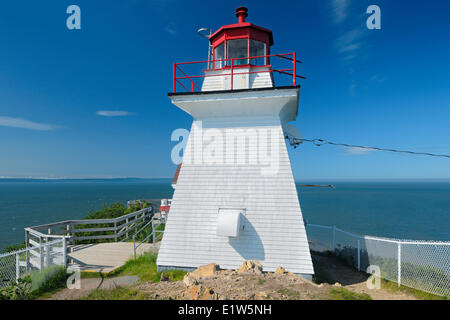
point(242, 28)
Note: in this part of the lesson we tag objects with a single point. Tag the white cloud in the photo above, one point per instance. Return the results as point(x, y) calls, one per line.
point(25, 124)
point(357, 150)
point(171, 28)
point(349, 43)
point(113, 113)
point(340, 10)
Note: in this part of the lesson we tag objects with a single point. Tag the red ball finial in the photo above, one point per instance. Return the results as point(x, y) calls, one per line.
point(241, 13)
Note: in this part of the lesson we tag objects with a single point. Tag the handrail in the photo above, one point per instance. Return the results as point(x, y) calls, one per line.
point(152, 234)
point(288, 56)
point(119, 229)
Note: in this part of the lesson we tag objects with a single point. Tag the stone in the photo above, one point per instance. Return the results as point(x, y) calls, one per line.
point(251, 266)
point(193, 292)
point(208, 270)
point(280, 270)
point(189, 280)
point(337, 284)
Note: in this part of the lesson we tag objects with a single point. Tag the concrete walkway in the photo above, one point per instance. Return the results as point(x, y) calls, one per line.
point(104, 257)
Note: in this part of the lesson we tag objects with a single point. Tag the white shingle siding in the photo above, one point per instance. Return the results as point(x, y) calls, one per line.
point(274, 231)
point(221, 79)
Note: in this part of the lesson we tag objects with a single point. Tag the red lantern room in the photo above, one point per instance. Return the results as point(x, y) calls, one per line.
point(239, 58)
point(239, 41)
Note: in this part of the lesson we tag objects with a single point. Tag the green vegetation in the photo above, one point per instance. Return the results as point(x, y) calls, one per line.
point(144, 267)
point(47, 280)
point(393, 287)
point(412, 274)
point(261, 281)
point(115, 210)
point(14, 247)
point(344, 294)
point(36, 284)
point(119, 293)
point(289, 293)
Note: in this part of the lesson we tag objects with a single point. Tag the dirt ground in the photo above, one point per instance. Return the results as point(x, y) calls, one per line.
point(248, 282)
point(335, 270)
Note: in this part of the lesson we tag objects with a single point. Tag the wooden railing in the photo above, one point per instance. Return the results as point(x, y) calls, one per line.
point(82, 231)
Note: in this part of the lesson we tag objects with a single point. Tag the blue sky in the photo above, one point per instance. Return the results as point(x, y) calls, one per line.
point(387, 88)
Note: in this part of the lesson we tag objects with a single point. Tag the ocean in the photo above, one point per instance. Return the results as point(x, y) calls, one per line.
point(406, 210)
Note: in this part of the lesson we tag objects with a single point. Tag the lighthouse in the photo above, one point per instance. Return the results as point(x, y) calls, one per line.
point(235, 197)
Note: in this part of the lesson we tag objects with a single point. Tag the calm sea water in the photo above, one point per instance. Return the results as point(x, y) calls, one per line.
point(413, 210)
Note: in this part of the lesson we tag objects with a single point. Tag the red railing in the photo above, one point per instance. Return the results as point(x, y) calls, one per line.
point(232, 67)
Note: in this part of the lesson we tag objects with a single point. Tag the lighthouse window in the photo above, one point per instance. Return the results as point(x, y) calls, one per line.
point(257, 49)
point(237, 49)
point(219, 54)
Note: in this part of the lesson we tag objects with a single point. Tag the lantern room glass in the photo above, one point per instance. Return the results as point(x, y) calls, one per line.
point(237, 48)
point(257, 49)
point(219, 54)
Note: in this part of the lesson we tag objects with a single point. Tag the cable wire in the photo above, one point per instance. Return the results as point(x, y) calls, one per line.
point(319, 142)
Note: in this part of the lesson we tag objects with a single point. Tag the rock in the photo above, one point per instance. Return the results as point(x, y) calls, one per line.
point(193, 292)
point(164, 277)
point(337, 284)
point(189, 280)
point(280, 270)
point(197, 292)
point(208, 270)
point(250, 266)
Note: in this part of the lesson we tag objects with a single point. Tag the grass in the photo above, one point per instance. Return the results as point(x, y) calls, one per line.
point(144, 267)
point(47, 281)
point(119, 293)
point(393, 287)
point(289, 293)
point(344, 294)
point(261, 281)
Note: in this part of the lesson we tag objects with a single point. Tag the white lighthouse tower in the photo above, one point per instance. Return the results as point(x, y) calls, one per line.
point(235, 197)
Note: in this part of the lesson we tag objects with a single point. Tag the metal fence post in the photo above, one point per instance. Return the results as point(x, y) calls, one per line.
point(399, 264)
point(27, 241)
point(65, 252)
point(359, 256)
point(17, 268)
point(134, 245)
point(48, 248)
point(153, 231)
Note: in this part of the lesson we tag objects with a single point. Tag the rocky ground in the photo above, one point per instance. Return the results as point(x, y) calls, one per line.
point(248, 282)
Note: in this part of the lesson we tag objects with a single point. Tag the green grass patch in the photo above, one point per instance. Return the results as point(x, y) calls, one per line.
point(393, 287)
point(145, 268)
point(37, 284)
point(261, 281)
point(119, 293)
point(344, 294)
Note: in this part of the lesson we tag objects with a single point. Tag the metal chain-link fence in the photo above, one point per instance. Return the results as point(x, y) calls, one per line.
point(422, 265)
point(14, 265)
